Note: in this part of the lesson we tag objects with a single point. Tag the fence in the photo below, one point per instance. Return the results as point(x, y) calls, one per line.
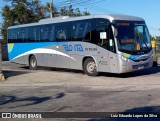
point(157, 48)
point(157, 54)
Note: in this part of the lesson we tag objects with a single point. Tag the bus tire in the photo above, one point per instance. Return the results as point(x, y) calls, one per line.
point(32, 63)
point(89, 67)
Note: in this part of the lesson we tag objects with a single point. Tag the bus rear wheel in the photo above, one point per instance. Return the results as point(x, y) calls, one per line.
point(89, 67)
point(32, 63)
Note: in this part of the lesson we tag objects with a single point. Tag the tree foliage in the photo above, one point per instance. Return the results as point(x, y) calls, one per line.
point(29, 11)
point(70, 11)
point(156, 38)
point(21, 12)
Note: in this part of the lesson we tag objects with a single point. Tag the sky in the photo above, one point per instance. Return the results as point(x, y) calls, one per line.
point(146, 9)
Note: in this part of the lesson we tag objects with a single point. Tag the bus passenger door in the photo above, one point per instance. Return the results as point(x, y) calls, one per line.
point(113, 57)
point(102, 42)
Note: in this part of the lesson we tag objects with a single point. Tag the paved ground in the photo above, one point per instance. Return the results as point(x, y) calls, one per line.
point(55, 90)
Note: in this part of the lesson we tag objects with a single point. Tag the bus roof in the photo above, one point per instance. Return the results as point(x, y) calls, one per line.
point(110, 17)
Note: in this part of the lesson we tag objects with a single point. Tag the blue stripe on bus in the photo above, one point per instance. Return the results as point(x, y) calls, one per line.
point(20, 48)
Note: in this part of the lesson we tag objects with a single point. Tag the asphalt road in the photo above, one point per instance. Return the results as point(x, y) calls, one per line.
point(57, 90)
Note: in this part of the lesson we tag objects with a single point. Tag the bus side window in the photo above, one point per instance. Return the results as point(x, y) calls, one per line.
point(88, 31)
point(46, 33)
point(61, 33)
point(9, 36)
point(77, 31)
point(31, 35)
point(53, 34)
point(102, 36)
point(13, 35)
point(24, 33)
point(37, 33)
point(81, 31)
point(105, 37)
point(19, 35)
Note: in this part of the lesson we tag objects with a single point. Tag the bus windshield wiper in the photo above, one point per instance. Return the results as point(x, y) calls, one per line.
point(145, 44)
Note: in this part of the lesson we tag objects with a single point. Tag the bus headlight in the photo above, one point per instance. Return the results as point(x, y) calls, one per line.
point(124, 58)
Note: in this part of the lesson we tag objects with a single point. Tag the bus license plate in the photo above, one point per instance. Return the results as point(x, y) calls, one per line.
point(141, 67)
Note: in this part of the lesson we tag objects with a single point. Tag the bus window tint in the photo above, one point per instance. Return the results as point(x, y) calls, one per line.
point(21, 35)
point(14, 35)
point(9, 36)
point(61, 33)
point(81, 31)
point(52, 34)
point(46, 33)
point(36, 33)
point(87, 31)
point(24, 36)
point(101, 32)
point(31, 35)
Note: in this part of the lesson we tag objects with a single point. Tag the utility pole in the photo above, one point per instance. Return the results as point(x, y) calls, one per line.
point(1, 74)
point(51, 9)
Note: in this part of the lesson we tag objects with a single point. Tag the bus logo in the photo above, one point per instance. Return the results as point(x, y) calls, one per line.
point(75, 47)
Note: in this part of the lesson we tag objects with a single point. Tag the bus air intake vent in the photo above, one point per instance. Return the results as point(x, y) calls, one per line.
point(54, 19)
point(140, 60)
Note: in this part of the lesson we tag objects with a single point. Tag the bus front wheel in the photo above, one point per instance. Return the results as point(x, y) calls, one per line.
point(33, 63)
point(90, 67)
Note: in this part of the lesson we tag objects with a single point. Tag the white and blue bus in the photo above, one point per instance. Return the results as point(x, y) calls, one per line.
point(95, 43)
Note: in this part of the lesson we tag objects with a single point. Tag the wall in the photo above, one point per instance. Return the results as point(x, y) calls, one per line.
point(4, 52)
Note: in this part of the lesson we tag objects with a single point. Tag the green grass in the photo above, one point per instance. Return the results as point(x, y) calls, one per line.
point(157, 54)
point(158, 43)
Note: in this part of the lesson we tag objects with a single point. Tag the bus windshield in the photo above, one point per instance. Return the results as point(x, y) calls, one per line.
point(132, 37)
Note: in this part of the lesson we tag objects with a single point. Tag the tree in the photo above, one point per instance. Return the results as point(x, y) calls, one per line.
point(55, 11)
point(8, 16)
point(156, 38)
point(22, 12)
point(70, 11)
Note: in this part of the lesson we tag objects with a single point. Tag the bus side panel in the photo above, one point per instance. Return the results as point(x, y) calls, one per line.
point(78, 51)
point(63, 58)
point(19, 60)
point(103, 60)
point(77, 63)
point(19, 52)
point(114, 65)
point(14, 52)
point(49, 58)
point(38, 58)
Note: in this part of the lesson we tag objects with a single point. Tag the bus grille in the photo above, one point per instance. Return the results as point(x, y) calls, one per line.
point(140, 60)
point(140, 66)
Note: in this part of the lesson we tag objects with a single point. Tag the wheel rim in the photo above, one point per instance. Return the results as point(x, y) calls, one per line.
point(91, 67)
point(33, 62)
